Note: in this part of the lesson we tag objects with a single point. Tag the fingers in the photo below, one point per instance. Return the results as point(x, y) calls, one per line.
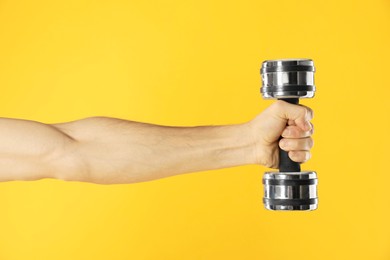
point(298, 148)
point(299, 156)
point(294, 114)
point(293, 131)
point(296, 144)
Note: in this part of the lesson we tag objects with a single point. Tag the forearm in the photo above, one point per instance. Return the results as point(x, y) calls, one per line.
point(121, 151)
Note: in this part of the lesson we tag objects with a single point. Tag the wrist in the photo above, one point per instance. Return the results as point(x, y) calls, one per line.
point(240, 146)
point(262, 152)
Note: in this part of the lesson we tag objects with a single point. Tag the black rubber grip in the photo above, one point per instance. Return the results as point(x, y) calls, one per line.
point(285, 163)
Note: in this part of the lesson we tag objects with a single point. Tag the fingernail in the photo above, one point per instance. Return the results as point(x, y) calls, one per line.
point(286, 132)
point(284, 143)
point(307, 125)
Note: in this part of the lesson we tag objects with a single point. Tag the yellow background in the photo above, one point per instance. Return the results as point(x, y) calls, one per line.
point(197, 63)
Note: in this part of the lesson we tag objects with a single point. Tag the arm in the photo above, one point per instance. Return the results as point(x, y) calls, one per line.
point(31, 150)
point(120, 151)
point(110, 150)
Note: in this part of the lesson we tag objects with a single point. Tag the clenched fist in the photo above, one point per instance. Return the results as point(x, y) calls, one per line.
point(290, 121)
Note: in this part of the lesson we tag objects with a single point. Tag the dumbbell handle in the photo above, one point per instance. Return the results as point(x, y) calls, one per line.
point(285, 163)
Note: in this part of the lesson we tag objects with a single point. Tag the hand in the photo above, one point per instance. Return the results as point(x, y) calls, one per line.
point(292, 122)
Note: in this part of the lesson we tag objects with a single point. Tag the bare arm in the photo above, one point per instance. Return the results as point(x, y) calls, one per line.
point(31, 150)
point(110, 150)
point(121, 151)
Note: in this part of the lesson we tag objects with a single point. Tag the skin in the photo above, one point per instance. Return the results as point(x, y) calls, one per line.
point(108, 150)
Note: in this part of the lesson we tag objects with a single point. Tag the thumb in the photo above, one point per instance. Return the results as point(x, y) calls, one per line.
point(299, 114)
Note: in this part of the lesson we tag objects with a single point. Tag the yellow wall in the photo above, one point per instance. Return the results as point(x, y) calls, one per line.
point(197, 63)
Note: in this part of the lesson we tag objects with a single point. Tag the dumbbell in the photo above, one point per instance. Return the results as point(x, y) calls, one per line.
point(289, 189)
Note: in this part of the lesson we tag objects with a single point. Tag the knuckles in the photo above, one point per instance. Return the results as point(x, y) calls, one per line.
point(304, 111)
point(310, 142)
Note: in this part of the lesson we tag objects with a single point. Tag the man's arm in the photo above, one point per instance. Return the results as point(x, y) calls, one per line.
point(110, 150)
point(30, 150)
point(120, 151)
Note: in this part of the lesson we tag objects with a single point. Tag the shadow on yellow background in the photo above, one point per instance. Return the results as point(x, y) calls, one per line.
point(197, 63)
